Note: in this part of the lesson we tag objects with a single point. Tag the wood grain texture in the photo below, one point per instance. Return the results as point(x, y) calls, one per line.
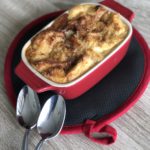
point(133, 128)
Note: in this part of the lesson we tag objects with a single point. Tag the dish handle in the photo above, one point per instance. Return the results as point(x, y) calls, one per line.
point(27, 76)
point(127, 13)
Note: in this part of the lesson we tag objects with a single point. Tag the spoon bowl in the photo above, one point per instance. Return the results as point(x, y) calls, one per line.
point(51, 118)
point(27, 111)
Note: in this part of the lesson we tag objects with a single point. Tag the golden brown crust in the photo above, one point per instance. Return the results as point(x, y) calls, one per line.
point(60, 23)
point(75, 42)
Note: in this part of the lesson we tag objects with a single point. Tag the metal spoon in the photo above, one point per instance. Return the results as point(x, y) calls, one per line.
point(51, 119)
point(27, 112)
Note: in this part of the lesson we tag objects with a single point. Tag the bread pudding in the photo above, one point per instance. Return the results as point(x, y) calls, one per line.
point(75, 42)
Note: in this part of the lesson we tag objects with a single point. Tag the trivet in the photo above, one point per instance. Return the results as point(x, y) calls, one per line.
point(108, 100)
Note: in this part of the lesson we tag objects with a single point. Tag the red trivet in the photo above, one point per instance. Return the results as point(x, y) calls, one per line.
point(108, 100)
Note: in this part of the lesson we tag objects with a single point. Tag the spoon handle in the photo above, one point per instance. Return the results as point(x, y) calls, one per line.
point(25, 140)
point(39, 145)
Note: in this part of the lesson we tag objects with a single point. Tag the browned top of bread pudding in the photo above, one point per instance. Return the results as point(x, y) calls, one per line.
point(75, 42)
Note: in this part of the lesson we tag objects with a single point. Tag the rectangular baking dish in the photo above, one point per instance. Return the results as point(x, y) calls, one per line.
point(77, 87)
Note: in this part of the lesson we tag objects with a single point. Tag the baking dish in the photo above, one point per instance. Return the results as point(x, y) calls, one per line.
point(77, 87)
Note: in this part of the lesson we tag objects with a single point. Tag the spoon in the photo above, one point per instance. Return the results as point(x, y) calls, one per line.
point(51, 119)
point(27, 112)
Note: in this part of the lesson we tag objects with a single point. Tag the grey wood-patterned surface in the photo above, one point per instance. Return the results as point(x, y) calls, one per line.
point(133, 128)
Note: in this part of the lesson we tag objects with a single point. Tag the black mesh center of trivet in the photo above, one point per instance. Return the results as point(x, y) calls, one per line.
point(106, 96)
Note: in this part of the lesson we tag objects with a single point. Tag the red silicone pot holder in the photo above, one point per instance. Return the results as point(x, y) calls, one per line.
point(112, 97)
